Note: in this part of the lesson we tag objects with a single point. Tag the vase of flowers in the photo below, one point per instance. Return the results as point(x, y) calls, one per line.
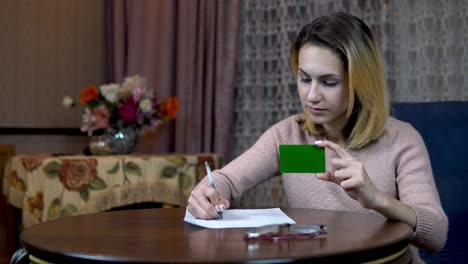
point(113, 141)
point(116, 113)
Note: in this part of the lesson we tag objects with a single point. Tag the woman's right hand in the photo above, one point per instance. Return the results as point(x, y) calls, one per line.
point(205, 202)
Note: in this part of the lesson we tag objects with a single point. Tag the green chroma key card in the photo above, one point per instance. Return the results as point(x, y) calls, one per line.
point(301, 159)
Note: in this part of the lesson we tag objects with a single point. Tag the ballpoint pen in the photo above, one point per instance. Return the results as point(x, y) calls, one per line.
point(212, 183)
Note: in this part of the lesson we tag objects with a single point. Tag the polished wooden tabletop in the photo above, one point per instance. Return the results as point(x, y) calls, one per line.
point(161, 235)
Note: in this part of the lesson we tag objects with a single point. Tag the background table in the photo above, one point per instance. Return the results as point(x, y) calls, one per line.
point(47, 188)
point(161, 235)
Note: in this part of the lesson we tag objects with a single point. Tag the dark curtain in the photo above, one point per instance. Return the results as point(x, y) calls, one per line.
point(185, 49)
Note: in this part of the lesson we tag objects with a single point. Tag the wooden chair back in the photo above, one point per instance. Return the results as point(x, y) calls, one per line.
point(6, 236)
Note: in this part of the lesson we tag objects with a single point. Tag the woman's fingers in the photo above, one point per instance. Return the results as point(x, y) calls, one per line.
point(343, 170)
point(327, 176)
point(204, 202)
point(350, 174)
point(349, 184)
point(345, 160)
point(200, 206)
point(225, 202)
point(342, 153)
point(342, 163)
point(200, 213)
point(219, 202)
point(212, 195)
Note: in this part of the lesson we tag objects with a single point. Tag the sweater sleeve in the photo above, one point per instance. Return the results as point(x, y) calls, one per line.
point(416, 188)
point(254, 166)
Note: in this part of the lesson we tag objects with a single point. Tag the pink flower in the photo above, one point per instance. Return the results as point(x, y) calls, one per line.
point(137, 92)
point(127, 111)
point(102, 116)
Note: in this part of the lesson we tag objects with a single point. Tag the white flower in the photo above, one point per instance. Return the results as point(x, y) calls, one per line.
point(145, 105)
point(89, 121)
point(110, 91)
point(129, 82)
point(67, 102)
point(135, 80)
point(124, 92)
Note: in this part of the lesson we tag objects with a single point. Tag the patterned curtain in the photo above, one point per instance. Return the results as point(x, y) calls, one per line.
point(423, 43)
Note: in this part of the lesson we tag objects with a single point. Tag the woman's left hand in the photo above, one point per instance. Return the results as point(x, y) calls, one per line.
point(350, 174)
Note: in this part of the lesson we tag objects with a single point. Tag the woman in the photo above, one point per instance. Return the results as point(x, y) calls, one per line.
point(375, 163)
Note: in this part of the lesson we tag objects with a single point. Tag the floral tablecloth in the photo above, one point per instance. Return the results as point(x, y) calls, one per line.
point(48, 187)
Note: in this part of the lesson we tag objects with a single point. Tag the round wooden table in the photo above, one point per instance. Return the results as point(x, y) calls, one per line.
point(161, 235)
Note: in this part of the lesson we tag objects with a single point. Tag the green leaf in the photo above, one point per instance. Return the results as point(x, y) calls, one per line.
point(179, 161)
point(69, 210)
point(184, 181)
point(84, 195)
point(97, 184)
point(52, 169)
point(132, 168)
point(169, 172)
point(94, 104)
point(54, 209)
point(114, 169)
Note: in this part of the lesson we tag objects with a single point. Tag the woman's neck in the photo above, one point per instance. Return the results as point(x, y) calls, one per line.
point(336, 134)
point(338, 139)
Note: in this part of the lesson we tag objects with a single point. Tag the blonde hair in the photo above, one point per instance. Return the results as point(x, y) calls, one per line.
point(352, 40)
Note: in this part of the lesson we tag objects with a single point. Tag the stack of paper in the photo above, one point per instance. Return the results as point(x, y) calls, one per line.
point(240, 218)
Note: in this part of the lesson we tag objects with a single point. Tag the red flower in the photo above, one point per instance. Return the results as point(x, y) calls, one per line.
point(127, 111)
point(171, 107)
point(89, 94)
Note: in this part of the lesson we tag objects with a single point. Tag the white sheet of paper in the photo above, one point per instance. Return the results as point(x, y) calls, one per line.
point(237, 218)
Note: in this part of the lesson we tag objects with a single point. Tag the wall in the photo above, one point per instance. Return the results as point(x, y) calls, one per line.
point(48, 49)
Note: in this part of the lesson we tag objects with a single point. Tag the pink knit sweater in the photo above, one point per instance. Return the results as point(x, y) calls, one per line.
point(397, 163)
